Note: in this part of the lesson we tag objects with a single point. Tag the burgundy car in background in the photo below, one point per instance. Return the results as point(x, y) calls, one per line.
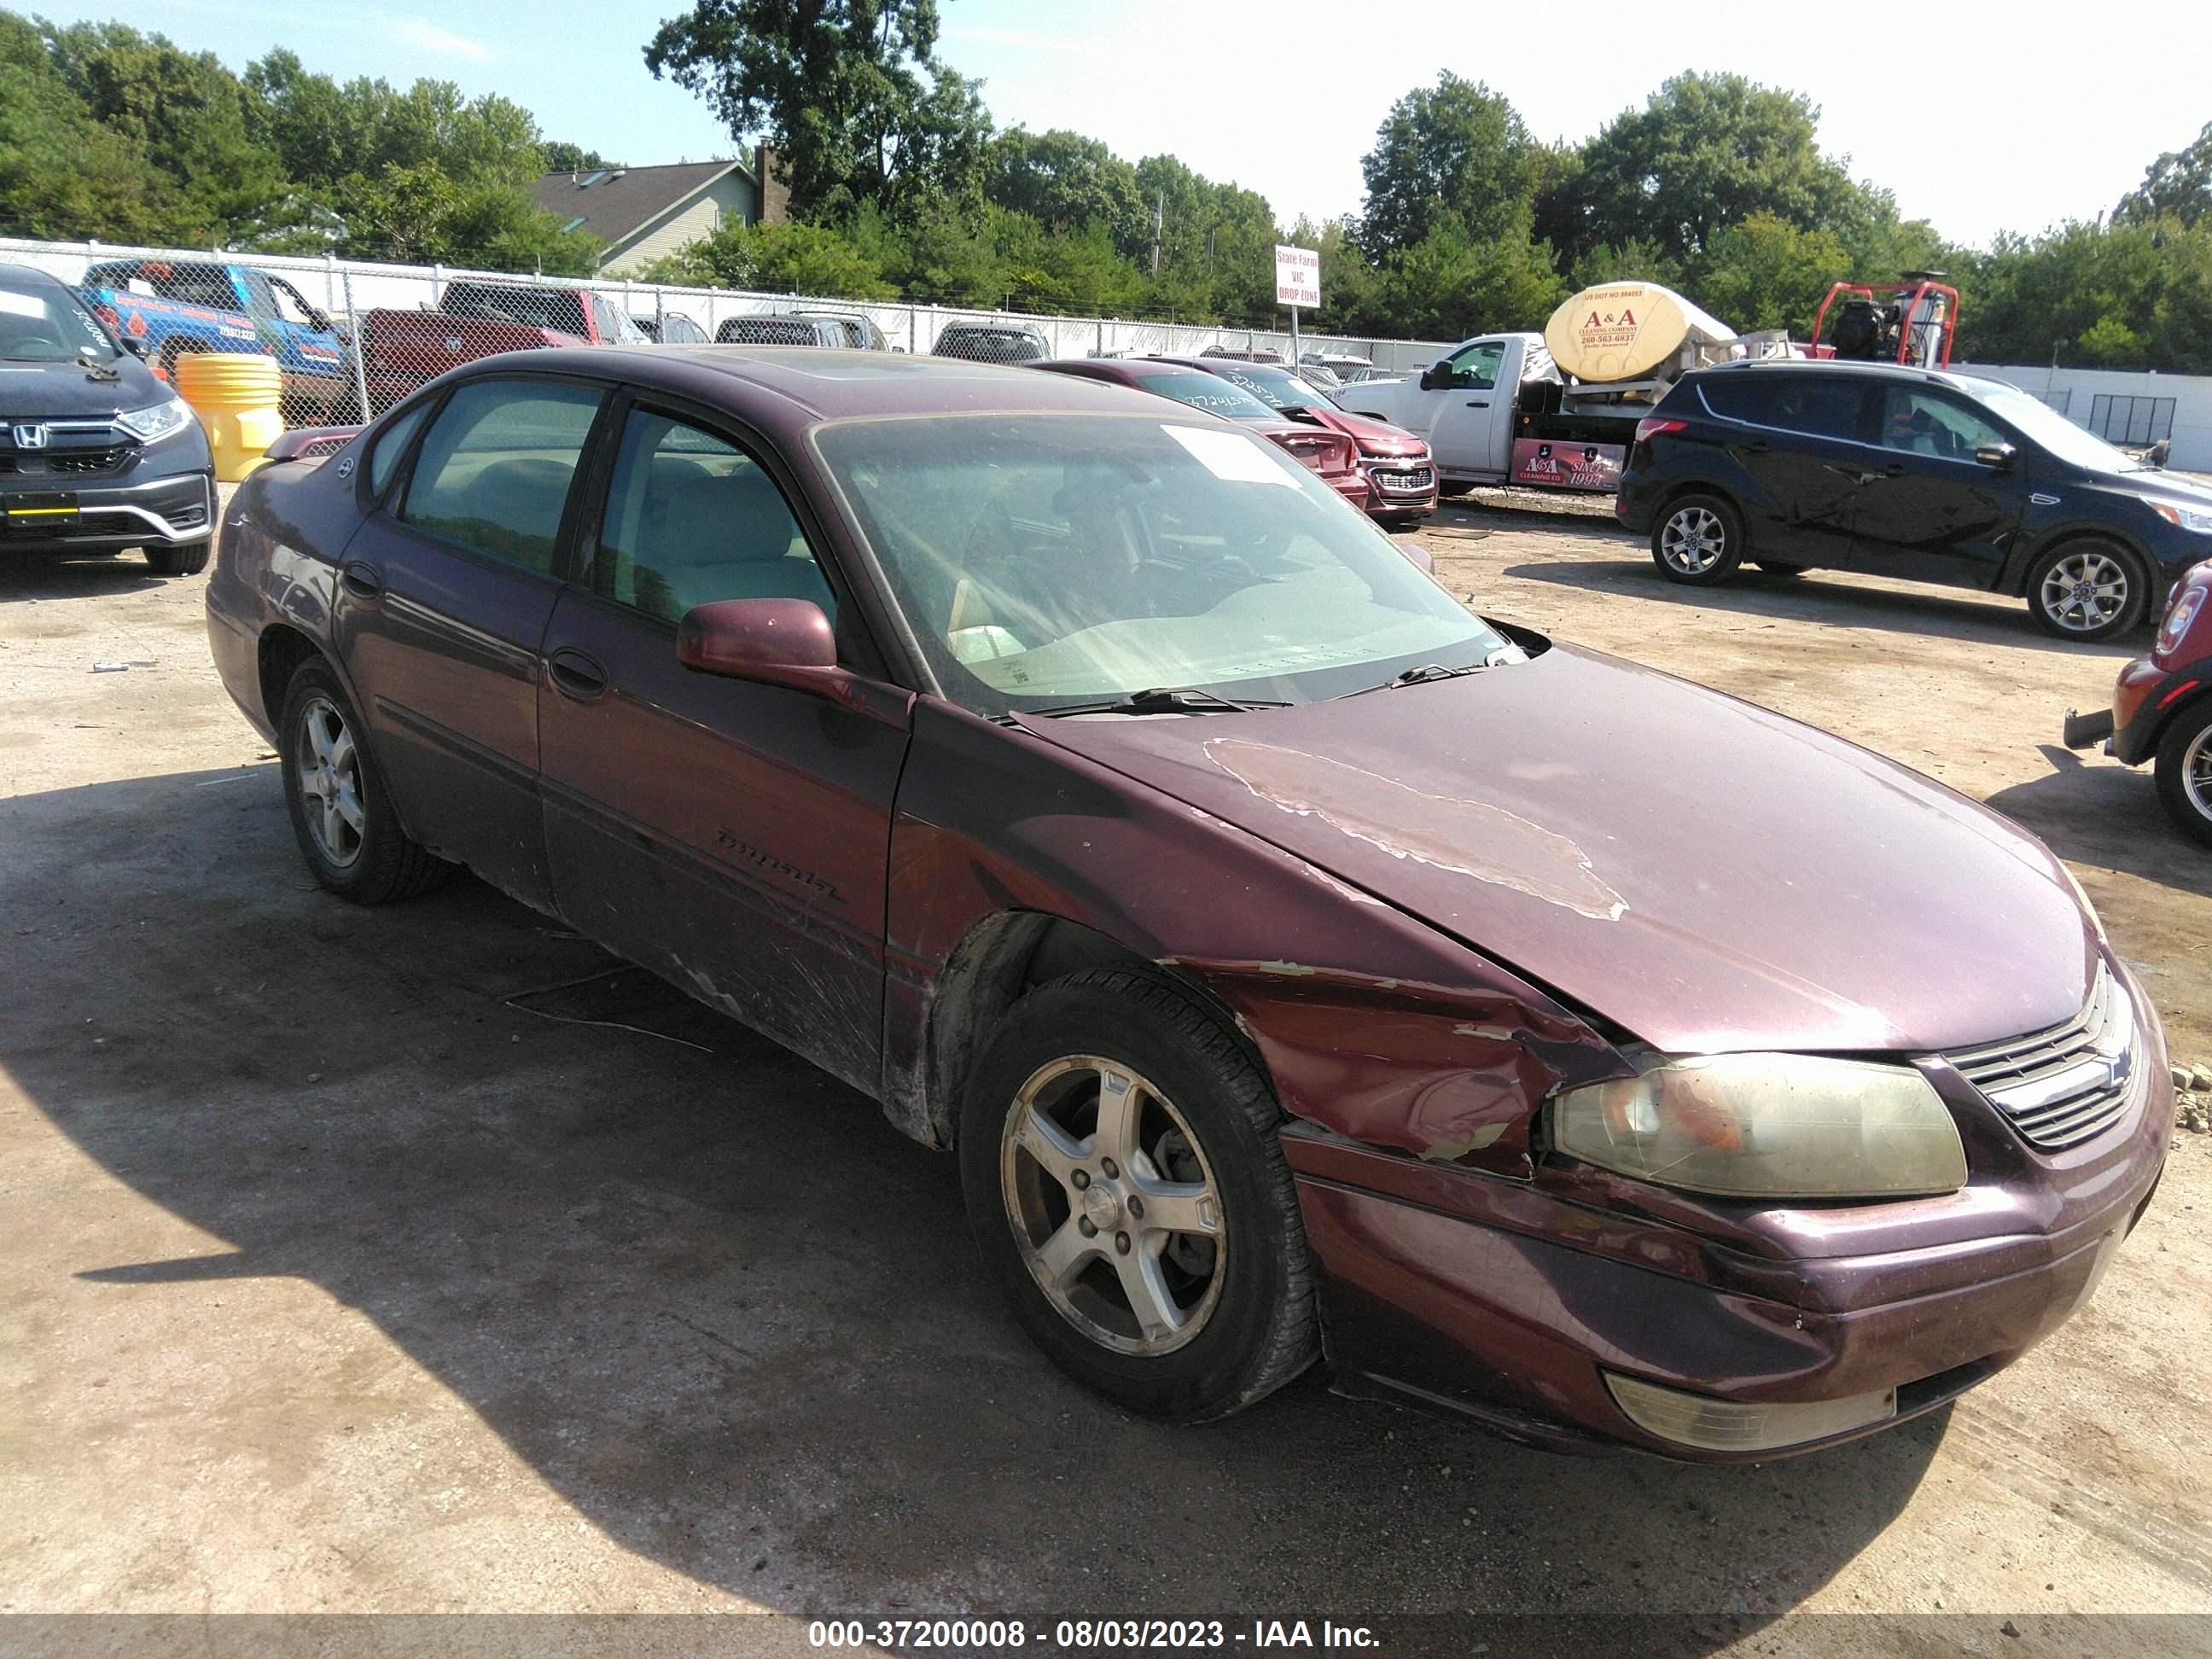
point(1295, 963)
point(1328, 454)
point(1401, 475)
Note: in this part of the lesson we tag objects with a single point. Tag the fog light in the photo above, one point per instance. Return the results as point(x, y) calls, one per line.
point(1692, 1420)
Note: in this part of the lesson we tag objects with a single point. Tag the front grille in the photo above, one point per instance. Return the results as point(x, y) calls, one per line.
point(2060, 1086)
point(82, 462)
point(1418, 478)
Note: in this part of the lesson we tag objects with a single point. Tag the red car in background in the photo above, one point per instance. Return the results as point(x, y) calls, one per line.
point(1328, 452)
point(2162, 708)
point(1401, 476)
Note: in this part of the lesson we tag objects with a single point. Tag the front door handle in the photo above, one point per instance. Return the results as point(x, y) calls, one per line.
point(1477, 403)
point(576, 674)
point(363, 581)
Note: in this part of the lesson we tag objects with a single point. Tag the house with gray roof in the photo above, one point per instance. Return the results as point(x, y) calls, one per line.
point(642, 213)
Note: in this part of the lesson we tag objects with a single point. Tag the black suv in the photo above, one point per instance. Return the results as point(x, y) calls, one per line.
point(1907, 472)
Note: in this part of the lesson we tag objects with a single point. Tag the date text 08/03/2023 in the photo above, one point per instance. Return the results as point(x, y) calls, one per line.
point(1087, 1635)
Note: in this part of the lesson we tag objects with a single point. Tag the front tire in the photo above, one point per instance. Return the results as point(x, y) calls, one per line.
point(341, 812)
point(1698, 541)
point(1123, 1178)
point(2185, 771)
point(2087, 589)
point(183, 559)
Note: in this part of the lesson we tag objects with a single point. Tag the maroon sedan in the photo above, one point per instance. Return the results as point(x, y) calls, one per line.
point(1326, 452)
point(1295, 963)
point(2161, 708)
point(1401, 476)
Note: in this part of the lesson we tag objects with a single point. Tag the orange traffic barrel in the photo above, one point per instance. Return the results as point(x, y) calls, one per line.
point(238, 397)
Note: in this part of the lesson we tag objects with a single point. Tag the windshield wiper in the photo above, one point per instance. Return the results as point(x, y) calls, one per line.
point(1431, 670)
point(1160, 700)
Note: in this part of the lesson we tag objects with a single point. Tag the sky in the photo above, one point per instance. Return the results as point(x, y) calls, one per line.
point(1981, 118)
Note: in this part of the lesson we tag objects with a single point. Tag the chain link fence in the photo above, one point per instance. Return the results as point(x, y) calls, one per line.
point(352, 338)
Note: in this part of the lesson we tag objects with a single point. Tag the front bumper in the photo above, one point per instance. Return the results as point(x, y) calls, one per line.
point(1503, 1300)
point(166, 511)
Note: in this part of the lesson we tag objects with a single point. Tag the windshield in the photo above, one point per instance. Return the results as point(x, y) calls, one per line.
point(49, 326)
point(1278, 388)
point(2051, 429)
point(1047, 559)
point(1210, 393)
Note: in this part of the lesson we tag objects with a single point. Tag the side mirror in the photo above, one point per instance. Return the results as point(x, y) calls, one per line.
point(1420, 557)
point(319, 320)
point(773, 641)
point(132, 344)
point(1436, 377)
point(1998, 458)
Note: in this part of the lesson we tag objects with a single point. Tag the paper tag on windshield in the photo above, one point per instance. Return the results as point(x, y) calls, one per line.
point(1230, 456)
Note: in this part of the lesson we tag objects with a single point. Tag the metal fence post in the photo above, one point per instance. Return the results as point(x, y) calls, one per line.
point(354, 324)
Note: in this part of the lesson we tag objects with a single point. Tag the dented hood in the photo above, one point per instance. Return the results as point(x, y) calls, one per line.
point(1707, 873)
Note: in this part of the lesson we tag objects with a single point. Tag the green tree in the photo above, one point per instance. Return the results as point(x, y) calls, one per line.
point(1705, 152)
point(849, 91)
point(2178, 186)
point(1456, 153)
point(556, 156)
point(1065, 181)
point(1765, 272)
point(1449, 284)
point(62, 173)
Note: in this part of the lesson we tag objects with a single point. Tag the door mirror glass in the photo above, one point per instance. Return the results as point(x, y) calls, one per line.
point(1996, 457)
point(772, 641)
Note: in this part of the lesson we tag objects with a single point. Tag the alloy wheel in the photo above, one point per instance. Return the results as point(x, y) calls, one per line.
point(2196, 772)
point(1693, 540)
point(2086, 591)
point(328, 768)
point(1114, 1207)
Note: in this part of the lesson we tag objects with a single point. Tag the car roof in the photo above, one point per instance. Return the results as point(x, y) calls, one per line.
point(24, 279)
point(1135, 368)
point(1850, 365)
point(830, 383)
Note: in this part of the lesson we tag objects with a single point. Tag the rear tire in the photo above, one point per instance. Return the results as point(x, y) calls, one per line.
point(1190, 1310)
point(2087, 589)
point(185, 559)
point(1698, 541)
point(341, 812)
point(2185, 771)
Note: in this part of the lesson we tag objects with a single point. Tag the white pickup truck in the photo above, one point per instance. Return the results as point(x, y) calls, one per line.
point(1506, 409)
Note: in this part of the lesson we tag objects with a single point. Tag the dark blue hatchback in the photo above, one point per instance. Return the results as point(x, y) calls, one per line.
point(1913, 473)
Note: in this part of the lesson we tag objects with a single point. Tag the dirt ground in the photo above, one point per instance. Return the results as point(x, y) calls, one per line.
point(331, 1281)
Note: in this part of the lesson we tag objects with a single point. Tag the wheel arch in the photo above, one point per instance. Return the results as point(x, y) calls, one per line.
point(1001, 959)
point(278, 653)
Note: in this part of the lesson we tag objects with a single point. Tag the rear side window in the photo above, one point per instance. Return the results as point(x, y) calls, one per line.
point(391, 445)
point(495, 468)
point(1797, 402)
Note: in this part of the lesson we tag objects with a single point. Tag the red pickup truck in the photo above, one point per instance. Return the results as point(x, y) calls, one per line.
point(405, 348)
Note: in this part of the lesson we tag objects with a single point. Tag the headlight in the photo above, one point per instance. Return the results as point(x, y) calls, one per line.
point(1768, 1126)
point(163, 418)
point(2188, 518)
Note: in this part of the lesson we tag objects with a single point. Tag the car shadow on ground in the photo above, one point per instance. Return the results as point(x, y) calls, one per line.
point(1817, 597)
point(715, 1301)
point(2098, 812)
point(69, 576)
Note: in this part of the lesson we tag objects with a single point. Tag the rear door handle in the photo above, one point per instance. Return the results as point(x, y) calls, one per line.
point(576, 673)
point(363, 581)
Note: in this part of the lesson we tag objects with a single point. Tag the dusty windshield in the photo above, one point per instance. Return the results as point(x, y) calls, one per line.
point(49, 327)
point(1042, 559)
point(1278, 388)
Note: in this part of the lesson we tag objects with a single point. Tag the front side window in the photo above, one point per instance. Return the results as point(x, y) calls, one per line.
point(1925, 423)
point(1475, 368)
point(495, 467)
point(692, 519)
point(1044, 560)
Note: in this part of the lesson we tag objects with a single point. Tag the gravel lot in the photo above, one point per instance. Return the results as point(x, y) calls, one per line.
point(329, 1281)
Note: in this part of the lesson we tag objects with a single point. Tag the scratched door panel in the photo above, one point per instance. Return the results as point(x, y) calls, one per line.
point(732, 837)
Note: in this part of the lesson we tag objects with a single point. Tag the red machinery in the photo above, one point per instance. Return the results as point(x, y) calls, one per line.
point(1910, 321)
